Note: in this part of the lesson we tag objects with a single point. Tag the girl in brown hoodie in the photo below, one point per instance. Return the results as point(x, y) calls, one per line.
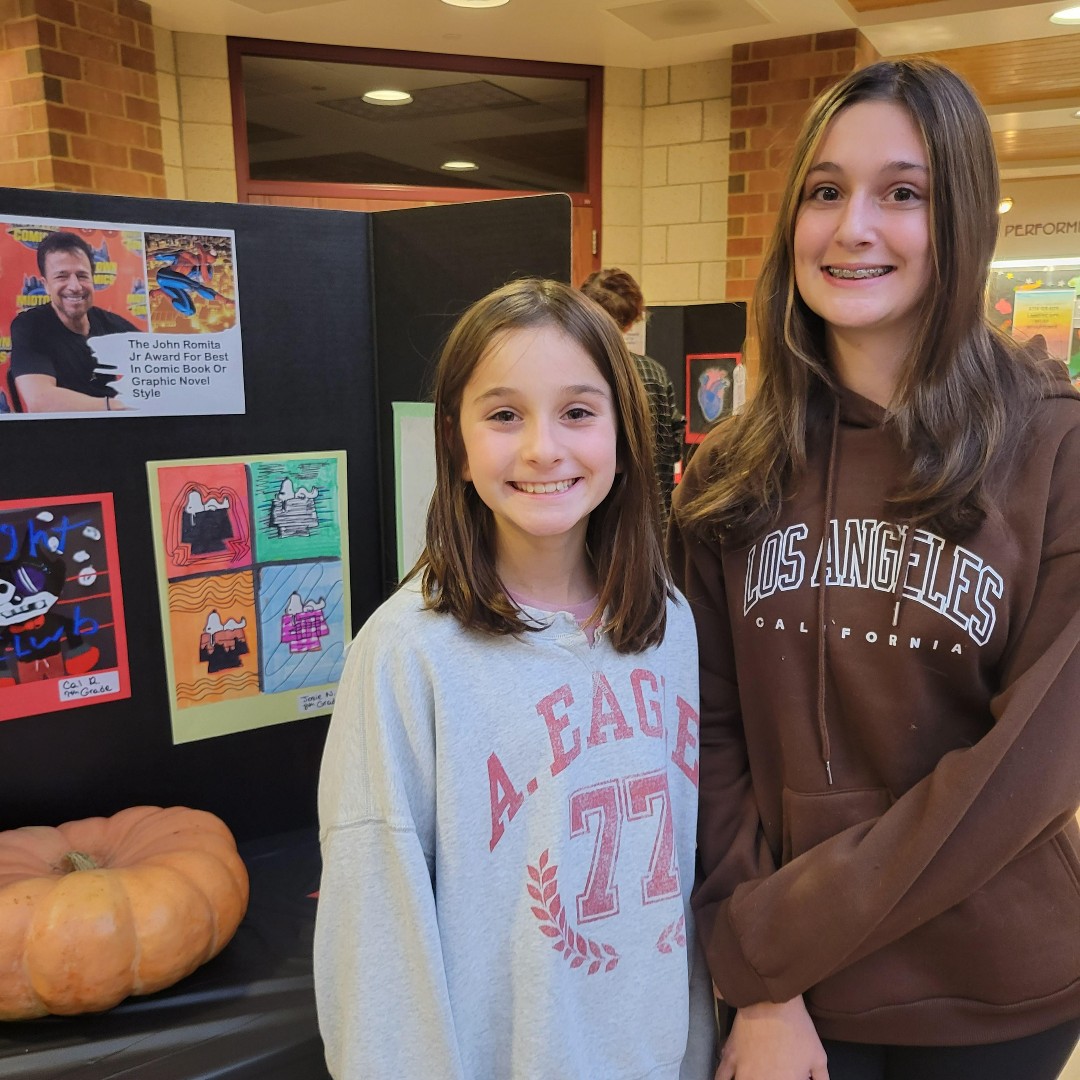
point(883, 556)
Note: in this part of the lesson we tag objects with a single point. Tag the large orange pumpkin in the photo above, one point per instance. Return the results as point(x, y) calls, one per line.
point(95, 910)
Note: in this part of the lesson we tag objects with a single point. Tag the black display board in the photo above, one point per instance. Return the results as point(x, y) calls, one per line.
point(307, 297)
point(431, 263)
point(673, 332)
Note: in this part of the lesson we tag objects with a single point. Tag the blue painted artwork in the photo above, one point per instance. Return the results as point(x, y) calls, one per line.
point(301, 610)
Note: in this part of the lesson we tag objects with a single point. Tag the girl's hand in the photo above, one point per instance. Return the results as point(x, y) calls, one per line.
point(773, 1042)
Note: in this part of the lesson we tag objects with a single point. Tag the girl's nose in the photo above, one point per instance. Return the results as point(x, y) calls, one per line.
point(541, 442)
point(856, 224)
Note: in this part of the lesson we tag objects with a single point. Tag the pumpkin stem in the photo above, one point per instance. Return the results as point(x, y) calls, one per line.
point(77, 860)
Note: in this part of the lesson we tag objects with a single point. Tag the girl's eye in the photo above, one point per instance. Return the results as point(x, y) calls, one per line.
point(824, 193)
point(503, 416)
point(904, 194)
point(578, 413)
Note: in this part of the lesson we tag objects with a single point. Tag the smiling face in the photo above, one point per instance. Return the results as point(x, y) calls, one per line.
point(539, 430)
point(862, 248)
point(69, 281)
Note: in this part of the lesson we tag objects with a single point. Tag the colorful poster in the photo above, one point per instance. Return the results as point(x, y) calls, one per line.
point(1010, 284)
point(62, 638)
point(252, 563)
point(104, 319)
point(715, 388)
point(1047, 313)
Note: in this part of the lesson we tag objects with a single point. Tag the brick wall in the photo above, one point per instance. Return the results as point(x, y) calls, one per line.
point(772, 85)
point(78, 97)
point(665, 178)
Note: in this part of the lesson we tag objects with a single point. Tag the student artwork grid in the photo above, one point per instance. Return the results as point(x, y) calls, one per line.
point(254, 583)
point(62, 637)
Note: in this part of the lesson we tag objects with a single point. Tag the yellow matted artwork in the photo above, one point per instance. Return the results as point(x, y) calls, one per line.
point(253, 579)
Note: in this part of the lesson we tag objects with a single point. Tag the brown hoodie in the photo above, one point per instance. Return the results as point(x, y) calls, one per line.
point(907, 855)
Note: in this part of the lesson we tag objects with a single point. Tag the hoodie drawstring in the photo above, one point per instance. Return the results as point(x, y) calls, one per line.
point(901, 572)
point(830, 481)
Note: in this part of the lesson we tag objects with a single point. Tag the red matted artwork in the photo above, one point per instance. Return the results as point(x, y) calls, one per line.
point(711, 384)
point(205, 511)
point(62, 637)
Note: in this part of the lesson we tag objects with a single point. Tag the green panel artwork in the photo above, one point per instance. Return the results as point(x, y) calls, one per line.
point(295, 507)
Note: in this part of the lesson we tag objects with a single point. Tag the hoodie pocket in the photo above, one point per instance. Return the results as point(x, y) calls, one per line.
point(1012, 944)
point(812, 818)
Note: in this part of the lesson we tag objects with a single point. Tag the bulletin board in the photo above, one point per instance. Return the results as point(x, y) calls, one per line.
point(678, 330)
point(319, 376)
point(431, 263)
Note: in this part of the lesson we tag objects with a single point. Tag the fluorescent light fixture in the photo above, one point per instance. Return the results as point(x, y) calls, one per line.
point(1069, 16)
point(476, 3)
point(1076, 115)
point(459, 166)
point(387, 97)
point(1005, 205)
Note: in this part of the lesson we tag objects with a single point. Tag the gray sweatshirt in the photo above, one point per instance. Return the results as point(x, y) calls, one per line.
point(508, 839)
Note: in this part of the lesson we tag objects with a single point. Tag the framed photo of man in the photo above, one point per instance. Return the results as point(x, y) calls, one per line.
point(103, 318)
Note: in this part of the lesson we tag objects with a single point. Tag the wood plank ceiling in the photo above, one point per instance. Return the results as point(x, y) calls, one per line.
point(1030, 89)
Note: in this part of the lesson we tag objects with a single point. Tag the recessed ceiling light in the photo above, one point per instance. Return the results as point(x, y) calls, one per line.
point(1005, 205)
point(459, 166)
point(1069, 16)
point(476, 3)
point(387, 97)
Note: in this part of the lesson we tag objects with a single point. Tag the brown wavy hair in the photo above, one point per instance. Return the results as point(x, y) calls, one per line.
point(617, 293)
point(457, 567)
point(965, 391)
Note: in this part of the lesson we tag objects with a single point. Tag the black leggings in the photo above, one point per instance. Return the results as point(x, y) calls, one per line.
point(1036, 1057)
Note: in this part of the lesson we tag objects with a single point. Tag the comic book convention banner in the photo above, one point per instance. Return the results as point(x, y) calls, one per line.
point(127, 320)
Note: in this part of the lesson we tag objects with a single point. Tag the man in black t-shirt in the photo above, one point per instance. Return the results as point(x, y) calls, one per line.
point(51, 362)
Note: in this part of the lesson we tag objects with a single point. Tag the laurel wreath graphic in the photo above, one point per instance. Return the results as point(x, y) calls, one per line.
point(677, 930)
point(544, 889)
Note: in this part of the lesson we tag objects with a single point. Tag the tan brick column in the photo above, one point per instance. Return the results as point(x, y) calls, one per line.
point(79, 97)
point(772, 85)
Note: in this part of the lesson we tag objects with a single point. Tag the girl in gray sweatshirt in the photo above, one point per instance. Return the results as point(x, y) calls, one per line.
point(508, 795)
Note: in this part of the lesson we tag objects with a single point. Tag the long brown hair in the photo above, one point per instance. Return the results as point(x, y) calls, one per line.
point(965, 390)
point(458, 568)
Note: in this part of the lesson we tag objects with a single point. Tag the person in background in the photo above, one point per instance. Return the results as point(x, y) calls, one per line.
point(508, 797)
point(52, 365)
point(621, 297)
point(882, 553)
